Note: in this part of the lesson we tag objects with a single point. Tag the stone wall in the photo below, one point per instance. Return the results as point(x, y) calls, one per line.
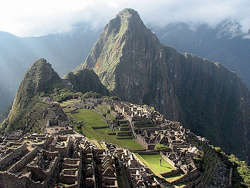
point(171, 173)
point(12, 156)
point(11, 181)
point(52, 167)
point(140, 140)
point(147, 152)
point(24, 161)
point(188, 177)
point(167, 159)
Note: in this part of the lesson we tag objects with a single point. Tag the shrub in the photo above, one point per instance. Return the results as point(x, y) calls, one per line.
point(91, 94)
point(61, 95)
point(160, 147)
point(242, 169)
point(217, 149)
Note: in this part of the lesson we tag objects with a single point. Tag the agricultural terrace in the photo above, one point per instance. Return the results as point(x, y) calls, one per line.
point(86, 119)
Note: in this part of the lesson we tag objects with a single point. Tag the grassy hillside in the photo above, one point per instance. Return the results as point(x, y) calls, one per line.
point(86, 119)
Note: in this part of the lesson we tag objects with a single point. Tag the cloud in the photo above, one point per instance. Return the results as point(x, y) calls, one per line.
point(40, 17)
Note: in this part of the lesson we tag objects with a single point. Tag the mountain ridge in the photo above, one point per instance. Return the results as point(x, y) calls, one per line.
point(203, 95)
point(211, 43)
point(70, 48)
point(40, 78)
point(86, 80)
point(131, 62)
point(41, 81)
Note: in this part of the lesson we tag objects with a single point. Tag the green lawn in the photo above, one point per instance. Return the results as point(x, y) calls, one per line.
point(92, 118)
point(153, 162)
point(104, 109)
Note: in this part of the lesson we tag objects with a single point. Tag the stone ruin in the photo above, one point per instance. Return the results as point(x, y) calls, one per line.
point(62, 158)
point(150, 128)
point(67, 160)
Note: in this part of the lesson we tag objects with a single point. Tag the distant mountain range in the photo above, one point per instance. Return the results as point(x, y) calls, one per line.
point(224, 43)
point(130, 63)
point(205, 96)
point(17, 54)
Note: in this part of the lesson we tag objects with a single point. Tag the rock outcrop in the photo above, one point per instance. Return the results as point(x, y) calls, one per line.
point(86, 80)
point(206, 97)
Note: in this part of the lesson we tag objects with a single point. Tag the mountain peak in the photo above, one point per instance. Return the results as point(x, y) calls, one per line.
point(41, 61)
point(132, 63)
point(126, 20)
point(125, 31)
point(42, 75)
point(40, 78)
point(128, 12)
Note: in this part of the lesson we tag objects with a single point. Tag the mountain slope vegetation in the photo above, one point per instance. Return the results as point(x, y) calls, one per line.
point(222, 43)
point(209, 99)
point(41, 82)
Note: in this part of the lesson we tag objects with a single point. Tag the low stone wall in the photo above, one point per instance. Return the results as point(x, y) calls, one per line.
point(65, 131)
point(51, 154)
point(100, 127)
point(64, 150)
point(147, 152)
point(13, 155)
point(48, 142)
point(124, 129)
point(167, 159)
point(68, 179)
point(113, 133)
point(141, 141)
point(12, 181)
point(138, 151)
point(171, 173)
point(124, 134)
point(24, 161)
point(191, 176)
point(36, 173)
point(151, 146)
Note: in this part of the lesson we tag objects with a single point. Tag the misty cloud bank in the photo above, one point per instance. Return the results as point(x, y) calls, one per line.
point(34, 18)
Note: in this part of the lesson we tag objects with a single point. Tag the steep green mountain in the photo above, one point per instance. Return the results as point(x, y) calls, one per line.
point(39, 79)
point(86, 80)
point(210, 100)
point(33, 104)
point(224, 43)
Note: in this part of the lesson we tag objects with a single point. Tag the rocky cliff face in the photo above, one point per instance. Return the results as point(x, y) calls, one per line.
point(225, 43)
point(86, 80)
point(39, 79)
point(212, 101)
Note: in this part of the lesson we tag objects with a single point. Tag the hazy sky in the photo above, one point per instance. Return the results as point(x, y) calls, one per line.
point(40, 17)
